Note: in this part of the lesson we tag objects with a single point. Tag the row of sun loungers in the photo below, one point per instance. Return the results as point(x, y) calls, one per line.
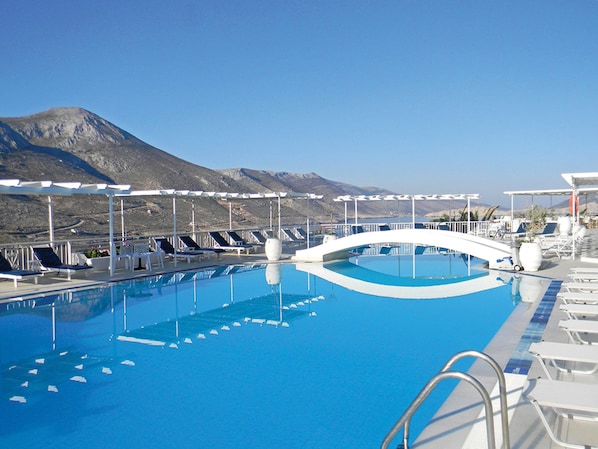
point(45, 260)
point(191, 252)
point(236, 244)
point(570, 389)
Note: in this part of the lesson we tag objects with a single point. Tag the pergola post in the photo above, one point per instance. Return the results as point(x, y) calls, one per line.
point(111, 232)
point(193, 220)
point(279, 218)
point(122, 221)
point(468, 215)
point(307, 224)
point(345, 213)
point(413, 211)
point(51, 219)
point(174, 243)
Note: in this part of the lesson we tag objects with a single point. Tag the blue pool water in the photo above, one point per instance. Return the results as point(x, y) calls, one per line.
point(251, 357)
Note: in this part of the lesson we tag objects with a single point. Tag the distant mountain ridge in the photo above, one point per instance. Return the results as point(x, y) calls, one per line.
point(73, 144)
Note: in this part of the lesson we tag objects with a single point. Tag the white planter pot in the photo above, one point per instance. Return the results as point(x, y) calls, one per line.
point(329, 238)
point(273, 248)
point(564, 225)
point(530, 256)
point(99, 263)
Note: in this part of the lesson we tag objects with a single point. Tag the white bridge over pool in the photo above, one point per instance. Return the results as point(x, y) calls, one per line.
point(496, 253)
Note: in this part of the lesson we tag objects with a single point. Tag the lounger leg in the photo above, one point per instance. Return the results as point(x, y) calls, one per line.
point(544, 367)
point(551, 434)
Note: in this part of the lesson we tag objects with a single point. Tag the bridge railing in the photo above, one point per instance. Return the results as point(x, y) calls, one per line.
point(480, 228)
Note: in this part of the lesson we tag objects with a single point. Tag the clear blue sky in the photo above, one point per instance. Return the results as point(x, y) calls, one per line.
point(416, 96)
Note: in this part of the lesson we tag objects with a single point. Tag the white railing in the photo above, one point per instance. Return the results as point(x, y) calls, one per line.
point(480, 228)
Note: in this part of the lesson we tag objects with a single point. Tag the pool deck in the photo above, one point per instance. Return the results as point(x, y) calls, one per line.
point(453, 425)
point(457, 423)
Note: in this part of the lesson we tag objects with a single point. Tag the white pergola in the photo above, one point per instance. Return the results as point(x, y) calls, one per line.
point(409, 197)
point(50, 189)
point(579, 184)
point(224, 196)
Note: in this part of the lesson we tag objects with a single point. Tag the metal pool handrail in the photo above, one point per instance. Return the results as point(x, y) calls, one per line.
point(405, 419)
point(502, 387)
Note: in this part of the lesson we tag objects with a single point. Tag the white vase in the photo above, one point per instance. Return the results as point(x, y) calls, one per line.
point(99, 263)
point(329, 238)
point(273, 248)
point(564, 225)
point(530, 256)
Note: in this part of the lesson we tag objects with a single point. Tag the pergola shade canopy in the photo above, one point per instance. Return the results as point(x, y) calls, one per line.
point(406, 197)
point(226, 196)
point(577, 181)
point(18, 187)
point(553, 192)
point(581, 179)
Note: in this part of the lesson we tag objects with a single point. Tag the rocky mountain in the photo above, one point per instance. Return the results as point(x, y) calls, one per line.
point(72, 144)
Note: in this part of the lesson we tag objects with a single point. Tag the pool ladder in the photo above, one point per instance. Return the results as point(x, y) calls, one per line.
point(443, 374)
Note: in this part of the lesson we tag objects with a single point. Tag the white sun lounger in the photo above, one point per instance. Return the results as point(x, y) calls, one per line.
point(566, 357)
point(588, 287)
point(292, 237)
point(578, 297)
point(576, 311)
point(575, 329)
point(8, 272)
point(591, 270)
point(569, 400)
point(583, 277)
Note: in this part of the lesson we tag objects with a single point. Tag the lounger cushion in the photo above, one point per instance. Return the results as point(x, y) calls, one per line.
point(5, 265)
point(48, 257)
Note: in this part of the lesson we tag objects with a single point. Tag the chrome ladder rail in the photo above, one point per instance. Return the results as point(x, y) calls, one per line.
point(405, 419)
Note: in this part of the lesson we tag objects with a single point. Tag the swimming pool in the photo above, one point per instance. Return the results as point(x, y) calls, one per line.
point(254, 356)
